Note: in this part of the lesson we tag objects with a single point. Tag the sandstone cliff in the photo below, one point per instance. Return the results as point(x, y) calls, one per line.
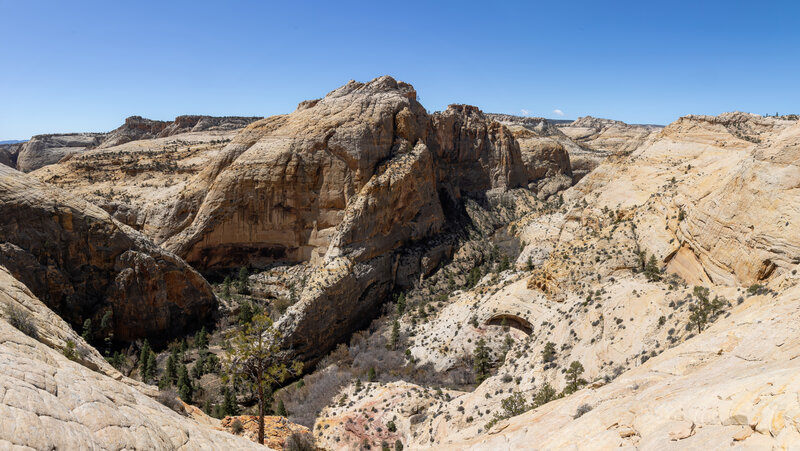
point(83, 264)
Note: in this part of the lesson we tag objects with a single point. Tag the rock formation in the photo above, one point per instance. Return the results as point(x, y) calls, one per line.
point(84, 264)
point(9, 153)
point(346, 183)
point(48, 401)
point(710, 198)
point(44, 150)
point(599, 138)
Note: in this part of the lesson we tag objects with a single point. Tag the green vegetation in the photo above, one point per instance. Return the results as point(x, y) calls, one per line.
point(574, 380)
point(704, 310)
point(480, 362)
point(549, 352)
point(254, 361)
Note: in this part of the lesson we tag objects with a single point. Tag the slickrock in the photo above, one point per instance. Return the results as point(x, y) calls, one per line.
point(598, 139)
point(50, 402)
point(84, 264)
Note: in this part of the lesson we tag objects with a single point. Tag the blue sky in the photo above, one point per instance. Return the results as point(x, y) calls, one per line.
point(85, 66)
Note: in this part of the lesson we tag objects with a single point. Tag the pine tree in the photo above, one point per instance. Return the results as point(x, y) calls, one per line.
point(245, 312)
point(371, 374)
point(481, 362)
point(226, 288)
point(255, 361)
point(87, 330)
point(651, 270)
point(143, 353)
point(229, 405)
point(401, 304)
point(549, 352)
point(244, 287)
point(150, 368)
point(395, 337)
point(170, 370)
point(545, 394)
point(201, 338)
point(185, 389)
point(281, 411)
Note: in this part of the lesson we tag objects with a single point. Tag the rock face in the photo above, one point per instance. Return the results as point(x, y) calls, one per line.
point(83, 264)
point(600, 138)
point(9, 153)
point(44, 150)
point(346, 182)
point(545, 151)
point(50, 402)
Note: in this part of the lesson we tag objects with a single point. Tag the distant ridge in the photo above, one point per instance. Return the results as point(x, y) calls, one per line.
point(12, 141)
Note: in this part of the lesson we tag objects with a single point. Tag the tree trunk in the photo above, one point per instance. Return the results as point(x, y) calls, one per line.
point(260, 414)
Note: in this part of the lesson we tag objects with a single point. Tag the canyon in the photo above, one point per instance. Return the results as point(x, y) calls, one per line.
point(449, 280)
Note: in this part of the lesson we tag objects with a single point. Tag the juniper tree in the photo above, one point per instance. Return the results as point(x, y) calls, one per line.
point(574, 380)
point(549, 352)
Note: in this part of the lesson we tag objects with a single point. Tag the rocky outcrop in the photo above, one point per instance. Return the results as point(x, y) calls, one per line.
point(545, 152)
point(9, 153)
point(598, 139)
point(84, 264)
point(284, 183)
point(50, 402)
point(44, 150)
point(137, 128)
point(277, 430)
point(712, 199)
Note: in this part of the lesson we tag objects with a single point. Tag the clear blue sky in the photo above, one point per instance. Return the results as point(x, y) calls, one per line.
point(85, 66)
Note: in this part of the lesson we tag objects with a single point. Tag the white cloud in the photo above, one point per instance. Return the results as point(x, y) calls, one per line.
point(524, 112)
point(558, 112)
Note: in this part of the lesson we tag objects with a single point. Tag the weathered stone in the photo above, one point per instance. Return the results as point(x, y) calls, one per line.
point(84, 264)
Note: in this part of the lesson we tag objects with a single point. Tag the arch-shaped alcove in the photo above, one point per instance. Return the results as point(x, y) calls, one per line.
point(511, 320)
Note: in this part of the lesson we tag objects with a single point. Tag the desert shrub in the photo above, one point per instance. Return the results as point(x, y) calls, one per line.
point(70, 350)
point(22, 320)
point(299, 442)
point(237, 427)
point(582, 409)
point(169, 398)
